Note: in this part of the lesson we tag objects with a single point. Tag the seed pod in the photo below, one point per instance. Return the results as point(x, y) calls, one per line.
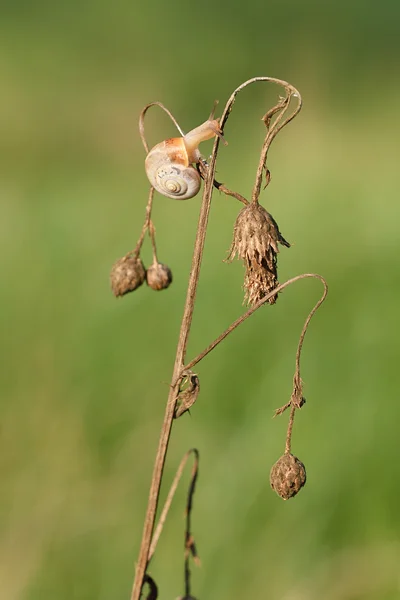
point(158, 276)
point(255, 240)
point(287, 477)
point(127, 274)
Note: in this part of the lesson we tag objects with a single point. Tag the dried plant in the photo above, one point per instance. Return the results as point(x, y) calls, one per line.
point(256, 239)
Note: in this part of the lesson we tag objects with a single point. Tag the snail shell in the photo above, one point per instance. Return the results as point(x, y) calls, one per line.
point(170, 172)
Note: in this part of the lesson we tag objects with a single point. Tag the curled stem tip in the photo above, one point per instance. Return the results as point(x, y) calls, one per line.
point(273, 128)
point(142, 117)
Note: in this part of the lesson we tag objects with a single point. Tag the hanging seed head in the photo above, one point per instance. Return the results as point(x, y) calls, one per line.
point(287, 477)
point(127, 274)
point(159, 276)
point(255, 241)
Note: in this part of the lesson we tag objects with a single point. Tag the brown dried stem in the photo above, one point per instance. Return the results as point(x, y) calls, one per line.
point(288, 442)
point(272, 130)
point(171, 494)
point(253, 309)
point(185, 327)
point(174, 388)
point(153, 591)
point(297, 399)
point(141, 122)
point(203, 170)
point(190, 546)
point(147, 225)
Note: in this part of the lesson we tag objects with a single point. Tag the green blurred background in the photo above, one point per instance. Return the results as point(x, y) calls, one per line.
point(85, 377)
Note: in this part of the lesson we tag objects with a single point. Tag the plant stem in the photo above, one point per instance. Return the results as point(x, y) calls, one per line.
point(174, 388)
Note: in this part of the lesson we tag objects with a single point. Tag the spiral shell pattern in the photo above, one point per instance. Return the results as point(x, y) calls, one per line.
point(175, 181)
point(169, 173)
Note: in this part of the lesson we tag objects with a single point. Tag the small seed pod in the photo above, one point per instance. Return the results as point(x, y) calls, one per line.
point(158, 276)
point(287, 477)
point(127, 274)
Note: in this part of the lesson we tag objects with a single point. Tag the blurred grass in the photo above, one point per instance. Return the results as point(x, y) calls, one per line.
point(84, 377)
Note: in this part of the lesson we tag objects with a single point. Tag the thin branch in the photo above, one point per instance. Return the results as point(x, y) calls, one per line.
point(305, 327)
point(297, 399)
point(202, 167)
point(281, 82)
point(170, 497)
point(190, 546)
point(146, 225)
point(288, 443)
point(222, 188)
point(174, 388)
point(152, 235)
point(141, 122)
point(153, 591)
point(273, 130)
point(253, 309)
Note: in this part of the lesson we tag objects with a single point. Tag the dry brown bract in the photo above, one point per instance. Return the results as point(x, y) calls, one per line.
point(255, 240)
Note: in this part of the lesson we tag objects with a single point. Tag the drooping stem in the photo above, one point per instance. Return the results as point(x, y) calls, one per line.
point(190, 545)
point(253, 309)
point(288, 442)
point(272, 131)
point(146, 225)
point(141, 122)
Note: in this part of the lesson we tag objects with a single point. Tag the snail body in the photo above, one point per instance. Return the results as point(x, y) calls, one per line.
point(169, 165)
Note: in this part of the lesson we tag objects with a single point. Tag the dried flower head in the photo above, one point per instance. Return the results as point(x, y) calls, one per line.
point(159, 276)
point(255, 241)
point(287, 477)
point(127, 274)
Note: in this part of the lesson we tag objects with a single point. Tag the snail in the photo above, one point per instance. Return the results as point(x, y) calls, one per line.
point(169, 165)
